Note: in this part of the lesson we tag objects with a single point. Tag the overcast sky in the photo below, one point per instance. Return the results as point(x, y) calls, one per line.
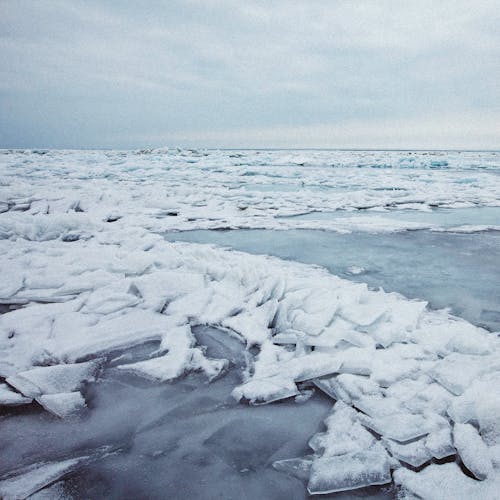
point(220, 73)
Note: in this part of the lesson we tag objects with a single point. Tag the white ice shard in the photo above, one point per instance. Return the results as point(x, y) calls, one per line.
point(54, 379)
point(440, 443)
point(297, 467)
point(34, 478)
point(348, 472)
point(400, 427)
point(415, 453)
point(8, 397)
point(63, 404)
point(457, 371)
point(472, 450)
point(442, 482)
point(266, 390)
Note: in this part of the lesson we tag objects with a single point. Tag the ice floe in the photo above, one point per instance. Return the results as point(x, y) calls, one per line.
point(409, 385)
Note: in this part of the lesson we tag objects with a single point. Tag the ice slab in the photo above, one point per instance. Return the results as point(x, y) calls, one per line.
point(441, 482)
point(266, 390)
point(54, 379)
point(415, 453)
point(457, 371)
point(472, 450)
point(400, 427)
point(64, 404)
point(348, 472)
point(8, 397)
point(297, 467)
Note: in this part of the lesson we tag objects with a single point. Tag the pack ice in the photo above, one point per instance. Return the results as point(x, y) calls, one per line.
point(415, 392)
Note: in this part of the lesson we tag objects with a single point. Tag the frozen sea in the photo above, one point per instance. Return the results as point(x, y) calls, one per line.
point(255, 324)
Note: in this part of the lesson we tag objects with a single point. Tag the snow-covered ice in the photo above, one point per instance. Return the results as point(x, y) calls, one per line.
point(91, 286)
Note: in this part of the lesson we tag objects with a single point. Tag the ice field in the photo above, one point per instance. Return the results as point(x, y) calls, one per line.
point(254, 324)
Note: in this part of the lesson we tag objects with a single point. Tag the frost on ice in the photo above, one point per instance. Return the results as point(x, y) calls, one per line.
point(87, 277)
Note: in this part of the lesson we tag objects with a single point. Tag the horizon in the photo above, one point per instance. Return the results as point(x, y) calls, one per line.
point(179, 148)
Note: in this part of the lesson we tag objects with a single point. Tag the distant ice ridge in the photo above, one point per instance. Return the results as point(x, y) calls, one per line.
point(412, 386)
point(83, 191)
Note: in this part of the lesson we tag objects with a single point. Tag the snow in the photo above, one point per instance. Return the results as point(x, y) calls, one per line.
point(64, 404)
point(8, 397)
point(472, 450)
point(53, 379)
point(85, 258)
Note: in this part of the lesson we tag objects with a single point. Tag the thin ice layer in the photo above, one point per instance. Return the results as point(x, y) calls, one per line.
point(348, 472)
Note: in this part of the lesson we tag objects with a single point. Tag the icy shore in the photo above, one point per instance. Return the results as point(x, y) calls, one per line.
point(86, 274)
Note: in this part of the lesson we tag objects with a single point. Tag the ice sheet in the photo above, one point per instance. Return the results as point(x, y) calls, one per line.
point(85, 259)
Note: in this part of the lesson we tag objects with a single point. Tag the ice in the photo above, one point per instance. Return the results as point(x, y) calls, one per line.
point(441, 482)
point(298, 467)
point(54, 379)
point(36, 477)
point(472, 450)
point(8, 397)
point(175, 363)
point(400, 427)
point(415, 453)
point(63, 404)
point(439, 443)
point(87, 261)
point(344, 434)
point(457, 371)
point(348, 472)
point(449, 273)
point(266, 390)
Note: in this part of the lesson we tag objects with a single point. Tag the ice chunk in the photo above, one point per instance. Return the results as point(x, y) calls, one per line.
point(64, 404)
point(36, 477)
point(297, 467)
point(266, 390)
point(8, 397)
point(390, 365)
point(439, 443)
point(378, 405)
point(311, 366)
point(457, 371)
point(356, 360)
point(162, 368)
point(356, 386)
point(54, 379)
point(469, 340)
point(415, 453)
point(472, 450)
point(401, 427)
point(337, 332)
point(443, 482)
point(480, 403)
point(331, 387)
point(12, 282)
point(211, 367)
point(348, 472)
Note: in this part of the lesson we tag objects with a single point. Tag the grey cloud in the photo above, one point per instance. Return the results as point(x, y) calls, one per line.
point(130, 74)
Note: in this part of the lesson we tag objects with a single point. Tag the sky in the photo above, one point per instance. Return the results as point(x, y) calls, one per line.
point(243, 74)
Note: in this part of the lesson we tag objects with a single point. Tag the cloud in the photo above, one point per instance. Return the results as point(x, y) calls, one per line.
point(124, 71)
